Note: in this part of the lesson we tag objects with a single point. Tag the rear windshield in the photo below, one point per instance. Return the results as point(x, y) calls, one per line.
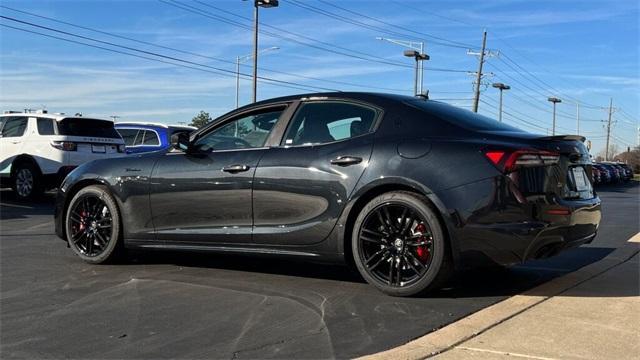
point(461, 117)
point(87, 127)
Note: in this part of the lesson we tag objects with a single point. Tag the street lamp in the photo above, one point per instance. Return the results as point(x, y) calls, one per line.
point(554, 100)
point(502, 87)
point(416, 51)
point(258, 4)
point(419, 58)
point(241, 59)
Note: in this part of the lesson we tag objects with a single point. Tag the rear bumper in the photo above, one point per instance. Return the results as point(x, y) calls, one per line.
point(492, 226)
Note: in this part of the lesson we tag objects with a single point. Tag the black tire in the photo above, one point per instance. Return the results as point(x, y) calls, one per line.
point(398, 241)
point(93, 227)
point(27, 181)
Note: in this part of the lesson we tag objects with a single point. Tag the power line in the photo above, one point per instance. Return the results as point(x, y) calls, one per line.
point(528, 58)
point(457, 43)
point(349, 52)
point(218, 70)
point(199, 55)
point(432, 13)
point(343, 51)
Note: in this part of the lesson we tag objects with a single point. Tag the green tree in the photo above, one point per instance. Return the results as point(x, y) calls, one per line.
point(201, 119)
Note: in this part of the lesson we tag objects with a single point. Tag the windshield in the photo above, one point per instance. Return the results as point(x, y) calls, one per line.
point(87, 127)
point(461, 117)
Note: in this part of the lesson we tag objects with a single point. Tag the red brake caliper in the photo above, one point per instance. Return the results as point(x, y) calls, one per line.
point(422, 251)
point(83, 215)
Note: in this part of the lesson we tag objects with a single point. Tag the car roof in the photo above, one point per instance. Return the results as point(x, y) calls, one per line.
point(354, 95)
point(54, 116)
point(152, 124)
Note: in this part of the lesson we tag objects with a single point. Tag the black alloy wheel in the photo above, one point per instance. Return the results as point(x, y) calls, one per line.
point(398, 244)
point(92, 225)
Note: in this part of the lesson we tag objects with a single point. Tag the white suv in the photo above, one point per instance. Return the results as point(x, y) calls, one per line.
point(37, 150)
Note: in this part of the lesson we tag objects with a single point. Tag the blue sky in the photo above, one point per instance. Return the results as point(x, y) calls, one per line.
point(575, 50)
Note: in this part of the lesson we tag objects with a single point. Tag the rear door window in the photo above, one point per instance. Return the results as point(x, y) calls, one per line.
point(150, 138)
point(87, 127)
point(329, 121)
point(14, 127)
point(45, 126)
point(128, 135)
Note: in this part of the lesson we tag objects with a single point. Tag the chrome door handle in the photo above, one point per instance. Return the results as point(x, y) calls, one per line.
point(235, 168)
point(346, 160)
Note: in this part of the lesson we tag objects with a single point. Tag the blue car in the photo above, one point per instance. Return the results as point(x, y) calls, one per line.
point(146, 137)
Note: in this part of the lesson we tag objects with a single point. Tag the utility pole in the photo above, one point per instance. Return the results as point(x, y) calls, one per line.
point(476, 96)
point(606, 150)
point(478, 82)
point(577, 118)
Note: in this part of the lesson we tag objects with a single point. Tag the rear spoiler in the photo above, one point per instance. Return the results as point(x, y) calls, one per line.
point(564, 137)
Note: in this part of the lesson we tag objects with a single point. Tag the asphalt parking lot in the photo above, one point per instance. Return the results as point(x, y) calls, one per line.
point(181, 305)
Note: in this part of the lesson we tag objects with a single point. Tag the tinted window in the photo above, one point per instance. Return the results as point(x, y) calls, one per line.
point(246, 132)
point(45, 126)
point(128, 135)
point(150, 138)
point(457, 116)
point(87, 127)
point(323, 122)
point(14, 127)
point(179, 131)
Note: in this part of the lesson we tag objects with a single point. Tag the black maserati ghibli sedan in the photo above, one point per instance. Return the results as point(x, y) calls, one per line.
point(407, 190)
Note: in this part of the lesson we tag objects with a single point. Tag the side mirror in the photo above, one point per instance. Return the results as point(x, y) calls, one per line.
point(180, 141)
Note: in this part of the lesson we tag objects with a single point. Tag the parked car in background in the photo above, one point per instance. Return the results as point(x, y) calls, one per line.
point(145, 137)
point(596, 175)
point(38, 149)
point(628, 170)
point(613, 172)
point(605, 174)
point(624, 174)
point(405, 188)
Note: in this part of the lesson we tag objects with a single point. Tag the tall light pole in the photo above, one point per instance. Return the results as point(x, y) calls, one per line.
point(258, 4)
point(554, 100)
point(502, 87)
point(241, 59)
point(420, 57)
point(417, 52)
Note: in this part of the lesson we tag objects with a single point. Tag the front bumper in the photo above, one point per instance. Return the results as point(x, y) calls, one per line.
point(58, 215)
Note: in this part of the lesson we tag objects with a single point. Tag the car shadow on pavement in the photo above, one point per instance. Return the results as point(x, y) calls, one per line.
point(478, 283)
point(10, 208)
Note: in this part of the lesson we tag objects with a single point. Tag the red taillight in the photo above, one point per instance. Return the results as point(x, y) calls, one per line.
point(64, 145)
point(508, 161)
point(495, 156)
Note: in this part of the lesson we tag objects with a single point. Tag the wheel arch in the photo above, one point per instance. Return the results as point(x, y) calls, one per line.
point(24, 158)
point(367, 193)
point(73, 190)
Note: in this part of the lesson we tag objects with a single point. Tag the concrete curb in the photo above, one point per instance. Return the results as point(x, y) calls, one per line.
point(483, 320)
